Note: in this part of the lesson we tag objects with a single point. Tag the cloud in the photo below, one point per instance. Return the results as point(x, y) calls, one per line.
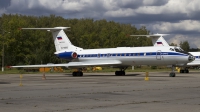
point(4, 4)
point(183, 25)
point(178, 17)
point(192, 39)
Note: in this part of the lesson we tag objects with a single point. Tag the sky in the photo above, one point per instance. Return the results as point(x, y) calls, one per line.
point(179, 18)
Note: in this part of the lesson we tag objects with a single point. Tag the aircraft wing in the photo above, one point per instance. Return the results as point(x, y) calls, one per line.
point(76, 64)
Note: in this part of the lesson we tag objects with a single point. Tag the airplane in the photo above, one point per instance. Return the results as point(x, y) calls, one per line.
point(120, 57)
point(158, 40)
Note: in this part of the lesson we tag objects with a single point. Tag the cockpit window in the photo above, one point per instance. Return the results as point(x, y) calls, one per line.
point(178, 49)
point(181, 49)
point(171, 49)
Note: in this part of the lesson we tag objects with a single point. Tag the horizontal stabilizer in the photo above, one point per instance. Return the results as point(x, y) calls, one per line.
point(51, 29)
point(157, 39)
point(153, 35)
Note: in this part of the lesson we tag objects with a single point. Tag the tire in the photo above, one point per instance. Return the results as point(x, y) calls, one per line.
point(74, 74)
point(172, 74)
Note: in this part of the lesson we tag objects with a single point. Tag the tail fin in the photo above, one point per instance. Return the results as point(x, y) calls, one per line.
point(61, 41)
point(157, 39)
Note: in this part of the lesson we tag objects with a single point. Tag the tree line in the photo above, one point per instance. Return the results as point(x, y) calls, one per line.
point(37, 47)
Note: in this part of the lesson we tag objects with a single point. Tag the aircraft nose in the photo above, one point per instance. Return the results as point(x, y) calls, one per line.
point(191, 58)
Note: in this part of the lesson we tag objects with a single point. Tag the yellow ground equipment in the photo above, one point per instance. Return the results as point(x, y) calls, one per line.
point(178, 69)
point(58, 69)
point(88, 69)
point(96, 68)
point(47, 69)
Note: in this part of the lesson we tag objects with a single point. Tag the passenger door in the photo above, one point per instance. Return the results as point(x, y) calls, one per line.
point(158, 55)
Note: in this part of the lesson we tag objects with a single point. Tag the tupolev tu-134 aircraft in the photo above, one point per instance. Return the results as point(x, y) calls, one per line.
point(158, 40)
point(120, 57)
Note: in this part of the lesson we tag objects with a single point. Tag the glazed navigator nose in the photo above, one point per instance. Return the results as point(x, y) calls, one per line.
point(191, 58)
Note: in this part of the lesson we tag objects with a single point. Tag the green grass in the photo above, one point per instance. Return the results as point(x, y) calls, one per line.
point(89, 69)
point(104, 69)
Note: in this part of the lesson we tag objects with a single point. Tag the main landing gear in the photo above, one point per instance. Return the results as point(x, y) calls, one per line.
point(172, 74)
point(77, 73)
point(184, 70)
point(117, 73)
point(121, 72)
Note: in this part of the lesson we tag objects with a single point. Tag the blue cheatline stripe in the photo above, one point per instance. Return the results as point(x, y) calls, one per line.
point(132, 54)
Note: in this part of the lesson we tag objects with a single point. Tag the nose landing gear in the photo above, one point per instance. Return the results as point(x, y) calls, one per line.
point(172, 74)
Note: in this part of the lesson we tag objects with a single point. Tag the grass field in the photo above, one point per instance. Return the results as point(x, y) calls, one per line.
point(104, 69)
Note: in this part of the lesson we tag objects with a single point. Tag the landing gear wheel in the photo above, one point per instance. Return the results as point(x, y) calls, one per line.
point(120, 73)
point(186, 71)
point(74, 74)
point(172, 74)
point(181, 71)
point(77, 74)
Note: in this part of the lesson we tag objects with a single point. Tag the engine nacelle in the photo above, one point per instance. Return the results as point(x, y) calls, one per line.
point(67, 55)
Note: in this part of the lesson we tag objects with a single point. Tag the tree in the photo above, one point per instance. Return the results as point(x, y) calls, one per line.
point(185, 45)
point(35, 47)
point(172, 44)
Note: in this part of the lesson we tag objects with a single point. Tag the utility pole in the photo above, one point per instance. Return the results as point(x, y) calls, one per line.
point(3, 52)
point(2, 68)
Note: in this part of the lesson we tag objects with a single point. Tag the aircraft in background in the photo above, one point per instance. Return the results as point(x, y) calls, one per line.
point(158, 40)
point(120, 57)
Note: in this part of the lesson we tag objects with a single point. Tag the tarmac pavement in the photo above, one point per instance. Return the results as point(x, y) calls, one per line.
point(100, 92)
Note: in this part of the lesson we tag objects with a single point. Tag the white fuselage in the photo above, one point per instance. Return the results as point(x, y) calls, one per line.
point(134, 55)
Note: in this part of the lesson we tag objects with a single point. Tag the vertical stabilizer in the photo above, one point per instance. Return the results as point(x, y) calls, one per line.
point(157, 39)
point(61, 41)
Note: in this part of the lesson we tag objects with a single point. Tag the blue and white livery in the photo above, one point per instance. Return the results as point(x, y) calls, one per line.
point(158, 40)
point(120, 57)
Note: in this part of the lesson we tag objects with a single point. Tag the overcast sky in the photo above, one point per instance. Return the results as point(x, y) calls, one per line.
point(180, 18)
